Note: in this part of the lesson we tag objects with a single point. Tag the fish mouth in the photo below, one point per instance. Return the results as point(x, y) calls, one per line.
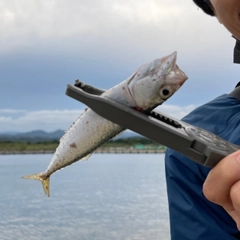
point(173, 71)
point(173, 58)
point(169, 63)
point(165, 66)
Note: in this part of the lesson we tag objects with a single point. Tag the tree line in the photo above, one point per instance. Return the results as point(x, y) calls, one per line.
point(52, 145)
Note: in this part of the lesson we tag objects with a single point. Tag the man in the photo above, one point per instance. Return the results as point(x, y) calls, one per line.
point(204, 203)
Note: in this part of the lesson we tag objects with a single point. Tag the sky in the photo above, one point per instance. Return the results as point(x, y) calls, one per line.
point(47, 44)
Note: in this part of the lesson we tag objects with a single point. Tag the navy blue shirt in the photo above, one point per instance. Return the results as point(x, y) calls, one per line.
point(192, 216)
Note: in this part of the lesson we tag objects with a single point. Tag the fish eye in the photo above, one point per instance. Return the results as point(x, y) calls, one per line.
point(165, 93)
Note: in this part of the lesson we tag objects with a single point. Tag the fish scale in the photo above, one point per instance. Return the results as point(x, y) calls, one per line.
point(77, 146)
point(151, 85)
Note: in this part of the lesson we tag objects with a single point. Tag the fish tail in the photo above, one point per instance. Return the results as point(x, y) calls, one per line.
point(45, 182)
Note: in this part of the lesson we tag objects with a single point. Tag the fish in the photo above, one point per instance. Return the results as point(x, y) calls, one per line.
point(151, 85)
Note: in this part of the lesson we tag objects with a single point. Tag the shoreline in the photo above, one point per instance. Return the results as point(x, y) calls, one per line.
point(117, 150)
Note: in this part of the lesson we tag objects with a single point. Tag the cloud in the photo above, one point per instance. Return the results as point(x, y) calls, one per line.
point(48, 120)
point(116, 34)
point(51, 120)
point(12, 111)
point(132, 26)
point(54, 19)
point(45, 44)
point(176, 111)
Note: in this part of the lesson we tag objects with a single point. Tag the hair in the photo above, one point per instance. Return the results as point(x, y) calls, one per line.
point(206, 6)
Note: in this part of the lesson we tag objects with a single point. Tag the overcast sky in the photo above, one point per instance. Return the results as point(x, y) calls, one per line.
point(47, 44)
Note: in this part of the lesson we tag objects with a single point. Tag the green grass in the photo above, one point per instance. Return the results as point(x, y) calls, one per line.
point(27, 146)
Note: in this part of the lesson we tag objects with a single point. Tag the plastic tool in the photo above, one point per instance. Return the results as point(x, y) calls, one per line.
point(196, 143)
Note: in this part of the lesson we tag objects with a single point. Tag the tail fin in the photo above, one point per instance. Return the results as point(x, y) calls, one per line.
point(45, 182)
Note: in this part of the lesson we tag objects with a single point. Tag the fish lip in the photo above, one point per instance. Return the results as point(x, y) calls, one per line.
point(174, 67)
point(174, 55)
point(173, 58)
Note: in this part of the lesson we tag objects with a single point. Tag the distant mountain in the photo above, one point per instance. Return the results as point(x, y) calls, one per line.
point(33, 136)
point(42, 136)
point(8, 133)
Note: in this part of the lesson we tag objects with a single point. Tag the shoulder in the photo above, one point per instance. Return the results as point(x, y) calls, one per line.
point(220, 116)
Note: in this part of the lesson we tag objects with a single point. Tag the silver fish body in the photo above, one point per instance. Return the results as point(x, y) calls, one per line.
point(148, 87)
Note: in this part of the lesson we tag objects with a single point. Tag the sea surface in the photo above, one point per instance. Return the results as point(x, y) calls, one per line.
point(108, 197)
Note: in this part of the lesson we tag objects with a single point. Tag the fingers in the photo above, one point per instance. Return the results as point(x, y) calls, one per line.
point(222, 186)
point(235, 198)
point(220, 180)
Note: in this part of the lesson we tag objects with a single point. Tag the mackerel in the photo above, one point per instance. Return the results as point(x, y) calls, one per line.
point(151, 85)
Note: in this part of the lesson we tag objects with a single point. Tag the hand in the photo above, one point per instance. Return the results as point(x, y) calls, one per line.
point(222, 185)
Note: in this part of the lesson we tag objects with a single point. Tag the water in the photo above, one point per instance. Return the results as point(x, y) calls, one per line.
point(108, 197)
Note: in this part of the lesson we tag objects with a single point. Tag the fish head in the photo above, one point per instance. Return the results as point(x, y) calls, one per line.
point(155, 82)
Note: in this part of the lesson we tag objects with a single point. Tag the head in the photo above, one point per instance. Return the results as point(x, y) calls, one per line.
point(155, 82)
point(206, 6)
point(226, 11)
